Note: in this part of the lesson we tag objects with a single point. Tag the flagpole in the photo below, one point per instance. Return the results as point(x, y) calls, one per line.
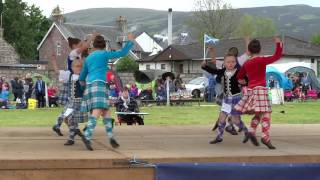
point(204, 48)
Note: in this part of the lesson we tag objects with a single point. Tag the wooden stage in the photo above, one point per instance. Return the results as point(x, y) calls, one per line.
point(39, 154)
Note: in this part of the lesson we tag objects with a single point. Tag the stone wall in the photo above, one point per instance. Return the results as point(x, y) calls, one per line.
point(9, 74)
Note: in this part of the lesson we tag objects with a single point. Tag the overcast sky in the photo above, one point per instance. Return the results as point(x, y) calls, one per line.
point(178, 5)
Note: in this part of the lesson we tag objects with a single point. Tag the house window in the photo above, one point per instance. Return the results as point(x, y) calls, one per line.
point(148, 66)
point(58, 49)
point(163, 66)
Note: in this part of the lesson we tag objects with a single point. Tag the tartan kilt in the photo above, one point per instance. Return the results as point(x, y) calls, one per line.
point(232, 101)
point(96, 96)
point(77, 115)
point(254, 100)
point(63, 96)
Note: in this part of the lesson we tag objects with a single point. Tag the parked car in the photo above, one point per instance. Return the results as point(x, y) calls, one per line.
point(197, 86)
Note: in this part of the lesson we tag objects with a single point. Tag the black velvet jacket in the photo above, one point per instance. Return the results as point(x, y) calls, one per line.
point(230, 85)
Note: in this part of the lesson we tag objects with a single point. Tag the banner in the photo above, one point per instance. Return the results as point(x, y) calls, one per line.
point(237, 171)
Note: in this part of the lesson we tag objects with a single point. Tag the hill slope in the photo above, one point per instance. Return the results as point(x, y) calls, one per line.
point(297, 20)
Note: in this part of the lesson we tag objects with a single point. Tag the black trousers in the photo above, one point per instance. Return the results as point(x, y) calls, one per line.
point(16, 96)
point(41, 100)
point(53, 101)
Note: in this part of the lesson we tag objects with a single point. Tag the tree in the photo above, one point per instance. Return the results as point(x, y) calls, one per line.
point(255, 27)
point(24, 27)
point(213, 17)
point(126, 64)
point(316, 39)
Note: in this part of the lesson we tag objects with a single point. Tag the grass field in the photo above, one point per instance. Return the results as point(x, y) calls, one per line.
point(295, 113)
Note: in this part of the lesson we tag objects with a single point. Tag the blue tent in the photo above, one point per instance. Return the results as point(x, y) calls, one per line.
point(283, 81)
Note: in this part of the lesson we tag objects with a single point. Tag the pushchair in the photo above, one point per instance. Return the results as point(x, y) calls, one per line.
point(129, 119)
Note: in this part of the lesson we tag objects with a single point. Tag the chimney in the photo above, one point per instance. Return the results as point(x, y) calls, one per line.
point(169, 26)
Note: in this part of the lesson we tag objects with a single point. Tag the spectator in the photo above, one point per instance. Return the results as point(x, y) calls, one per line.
point(178, 83)
point(159, 82)
point(28, 87)
point(160, 95)
point(17, 88)
point(4, 95)
point(52, 90)
point(305, 83)
point(134, 91)
point(113, 90)
point(271, 82)
point(2, 80)
point(171, 85)
point(211, 88)
point(40, 92)
point(146, 94)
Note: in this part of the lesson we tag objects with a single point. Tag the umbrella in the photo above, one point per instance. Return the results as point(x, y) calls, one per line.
point(147, 76)
point(165, 75)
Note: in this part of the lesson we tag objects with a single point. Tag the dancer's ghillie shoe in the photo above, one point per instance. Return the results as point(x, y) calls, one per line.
point(268, 144)
point(246, 137)
point(69, 143)
point(87, 143)
point(114, 143)
point(253, 139)
point(216, 141)
point(57, 130)
point(230, 129)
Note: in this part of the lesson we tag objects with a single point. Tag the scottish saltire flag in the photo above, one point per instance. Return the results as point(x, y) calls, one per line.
point(210, 40)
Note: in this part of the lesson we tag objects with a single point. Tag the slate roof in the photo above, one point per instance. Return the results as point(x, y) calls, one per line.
point(80, 31)
point(194, 51)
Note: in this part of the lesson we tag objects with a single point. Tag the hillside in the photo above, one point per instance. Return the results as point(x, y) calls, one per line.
point(297, 20)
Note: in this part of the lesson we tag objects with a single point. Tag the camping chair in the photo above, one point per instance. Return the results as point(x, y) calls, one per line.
point(312, 94)
point(288, 95)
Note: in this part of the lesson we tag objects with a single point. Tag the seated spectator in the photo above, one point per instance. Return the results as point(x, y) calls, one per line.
point(125, 103)
point(178, 84)
point(160, 95)
point(146, 94)
point(52, 91)
point(4, 96)
point(134, 91)
point(305, 83)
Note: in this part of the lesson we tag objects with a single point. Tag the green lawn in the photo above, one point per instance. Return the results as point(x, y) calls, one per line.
point(295, 113)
